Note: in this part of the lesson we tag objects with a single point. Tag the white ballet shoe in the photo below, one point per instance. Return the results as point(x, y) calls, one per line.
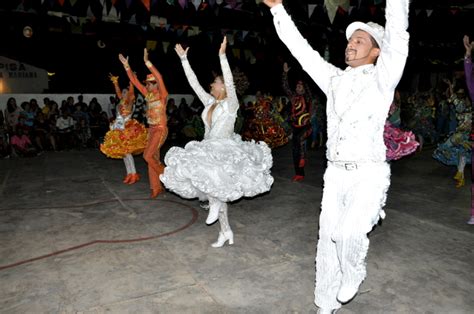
point(223, 237)
point(213, 214)
point(346, 293)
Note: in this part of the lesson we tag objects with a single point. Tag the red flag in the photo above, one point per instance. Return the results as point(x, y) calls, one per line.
point(341, 11)
point(146, 3)
point(372, 9)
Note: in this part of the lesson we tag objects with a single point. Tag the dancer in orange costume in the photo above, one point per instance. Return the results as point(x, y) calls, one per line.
point(155, 94)
point(126, 136)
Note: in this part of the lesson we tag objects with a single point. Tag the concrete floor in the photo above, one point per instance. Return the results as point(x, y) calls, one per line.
point(74, 239)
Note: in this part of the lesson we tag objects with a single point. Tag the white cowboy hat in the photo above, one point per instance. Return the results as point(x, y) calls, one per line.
point(375, 30)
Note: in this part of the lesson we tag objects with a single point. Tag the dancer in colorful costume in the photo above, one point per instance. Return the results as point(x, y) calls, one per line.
point(221, 168)
point(300, 116)
point(357, 177)
point(468, 72)
point(262, 126)
point(127, 137)
point(155, 94)
point(399, 143)
point(456, 150)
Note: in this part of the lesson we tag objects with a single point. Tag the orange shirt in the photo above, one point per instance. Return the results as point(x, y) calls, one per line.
point(156, 99)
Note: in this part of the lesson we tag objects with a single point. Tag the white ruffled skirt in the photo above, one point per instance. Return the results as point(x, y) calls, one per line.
point(225, 169)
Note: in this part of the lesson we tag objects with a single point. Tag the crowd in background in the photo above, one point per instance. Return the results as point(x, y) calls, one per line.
point(28, 129)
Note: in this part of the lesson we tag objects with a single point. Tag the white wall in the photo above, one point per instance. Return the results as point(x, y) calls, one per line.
point(18, 77)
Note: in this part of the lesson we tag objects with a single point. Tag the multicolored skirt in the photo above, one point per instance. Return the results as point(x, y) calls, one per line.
point(399, 143)
point(131, 140)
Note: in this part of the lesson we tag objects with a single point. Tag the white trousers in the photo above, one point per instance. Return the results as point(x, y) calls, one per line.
point(129, 164)
point(351, 206)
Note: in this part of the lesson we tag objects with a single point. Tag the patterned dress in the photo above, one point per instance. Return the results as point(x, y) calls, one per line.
point(126, 135)
point(263, 127)
point(458, 144)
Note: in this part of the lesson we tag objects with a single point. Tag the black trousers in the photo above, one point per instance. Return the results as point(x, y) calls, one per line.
point(299, 146)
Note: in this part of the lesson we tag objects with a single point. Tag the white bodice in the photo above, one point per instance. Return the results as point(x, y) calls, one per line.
point(225, 112)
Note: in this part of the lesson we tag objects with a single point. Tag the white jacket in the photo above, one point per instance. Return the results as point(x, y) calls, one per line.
point(358, 99)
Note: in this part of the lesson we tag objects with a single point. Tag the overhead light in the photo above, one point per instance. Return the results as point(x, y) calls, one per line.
point(27, 31)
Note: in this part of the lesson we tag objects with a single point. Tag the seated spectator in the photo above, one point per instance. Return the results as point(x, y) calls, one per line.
point(21, 144)
point(12, 113)
point(82, 132)
point(28, 113)
point(80, 114)
point(80, 102)
point(65, 128)
point(46, 106)
point(43, 133)
point(4, 146)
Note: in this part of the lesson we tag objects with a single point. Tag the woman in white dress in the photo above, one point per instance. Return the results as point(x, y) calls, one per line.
point(221, 168)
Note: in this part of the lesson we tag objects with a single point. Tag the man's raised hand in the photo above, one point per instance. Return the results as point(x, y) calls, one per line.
point(272, 3)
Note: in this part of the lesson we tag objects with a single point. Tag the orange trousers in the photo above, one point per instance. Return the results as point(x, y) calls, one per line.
point(156, 137)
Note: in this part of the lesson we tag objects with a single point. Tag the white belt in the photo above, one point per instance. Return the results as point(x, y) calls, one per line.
point(349, 166)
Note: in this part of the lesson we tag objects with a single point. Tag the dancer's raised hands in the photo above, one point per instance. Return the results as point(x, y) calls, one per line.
point(145, 55)
point(124, 61)
point(180, 51)
point(469, 46)
point(113, 78)
point(223, 46)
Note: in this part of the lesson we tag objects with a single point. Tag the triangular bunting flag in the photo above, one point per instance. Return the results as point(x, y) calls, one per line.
point(104, 9)
point(196, 4)
point(333, 5)
point(372, 9)
point(20, 8)
point(146, 3)
point(429, 12)
point(311, 8)
point(166, 45)
point(89, 12)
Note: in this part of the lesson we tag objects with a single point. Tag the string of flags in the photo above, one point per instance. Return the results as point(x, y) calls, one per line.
point(113, 9)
